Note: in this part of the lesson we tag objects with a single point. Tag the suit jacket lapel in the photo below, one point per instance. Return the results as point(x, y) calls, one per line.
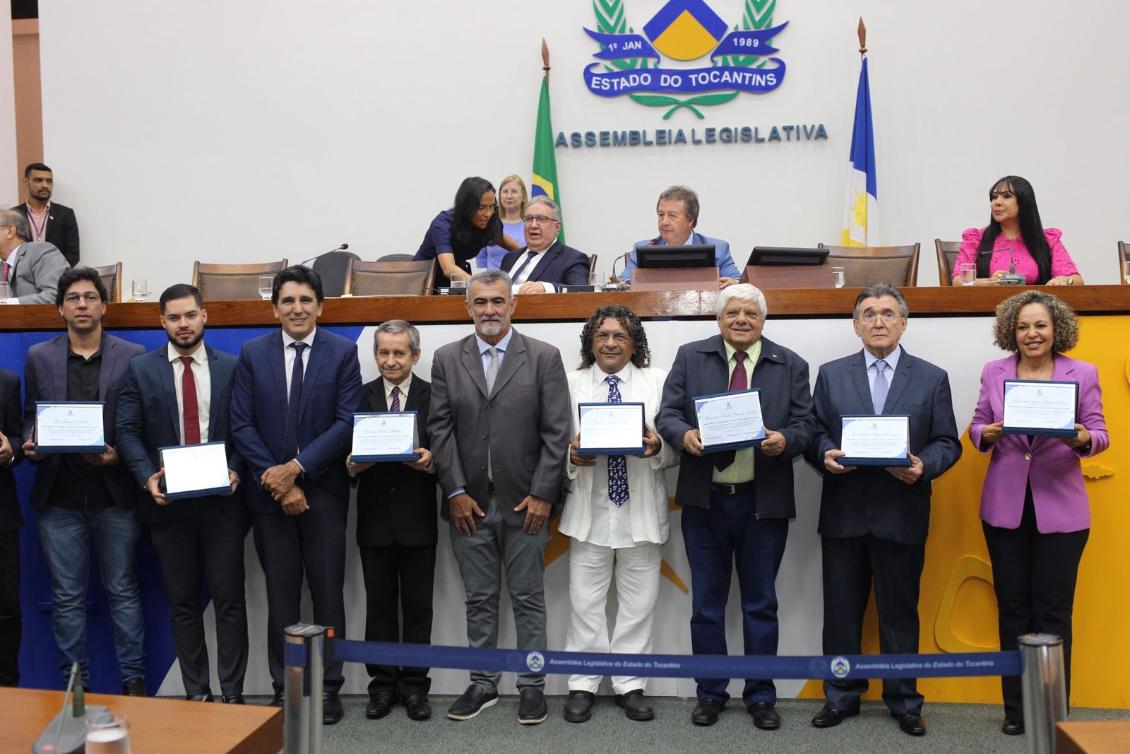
point(473, 363)
point(315, 364)
point(415, 394)
point(109, 357)
point(859, 379)
point(277, 365)
point(169, 390)
point(512, 361)
point(542, 265)
point(59, 368)
point(375, 396)
point(899, 381)
point(215, 380)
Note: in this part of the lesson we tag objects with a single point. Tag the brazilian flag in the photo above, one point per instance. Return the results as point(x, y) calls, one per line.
point(544, 181)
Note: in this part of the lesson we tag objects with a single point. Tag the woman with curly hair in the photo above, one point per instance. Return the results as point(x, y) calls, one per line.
point(1034, 507)
point(1015, 239)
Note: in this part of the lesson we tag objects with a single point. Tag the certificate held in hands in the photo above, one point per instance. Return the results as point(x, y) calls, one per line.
point(1040, 407)
point(727, 421)
point(195, 470)
point(384, 437)
point(610, 429)
point(875, 440)
point(69, 427)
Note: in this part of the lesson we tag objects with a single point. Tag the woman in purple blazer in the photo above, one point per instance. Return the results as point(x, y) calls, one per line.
point(1034, 507)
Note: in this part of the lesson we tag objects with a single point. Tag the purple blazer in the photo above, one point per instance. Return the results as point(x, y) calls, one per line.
point(1050, 465)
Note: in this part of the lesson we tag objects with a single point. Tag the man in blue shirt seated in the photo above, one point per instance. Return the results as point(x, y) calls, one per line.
point(544, 263)
point(678, 215)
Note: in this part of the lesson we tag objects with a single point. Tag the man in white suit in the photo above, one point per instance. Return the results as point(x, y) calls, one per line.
point(616, 512)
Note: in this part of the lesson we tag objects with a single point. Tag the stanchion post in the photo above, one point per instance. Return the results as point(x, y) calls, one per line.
point(1044, 687)
point(302, 691)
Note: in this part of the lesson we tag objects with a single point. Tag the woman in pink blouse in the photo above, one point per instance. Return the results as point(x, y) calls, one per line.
point(1015, 239)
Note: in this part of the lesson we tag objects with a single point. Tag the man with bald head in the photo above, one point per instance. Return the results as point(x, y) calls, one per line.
point(30, 268)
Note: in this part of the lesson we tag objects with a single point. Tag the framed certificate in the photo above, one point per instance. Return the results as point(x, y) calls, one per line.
point(69, 427)
point(610, 429)
point(729, 420)
point(869, 440)
point(195, 470)
point(384, 437)
point(1040, 407)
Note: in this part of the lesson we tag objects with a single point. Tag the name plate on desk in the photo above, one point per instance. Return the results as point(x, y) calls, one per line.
point(610, 429)
point(69, 427)
point(384, 437)
point(195, 470)
point(1040, 407)
point(875, 441)
point(729, 420)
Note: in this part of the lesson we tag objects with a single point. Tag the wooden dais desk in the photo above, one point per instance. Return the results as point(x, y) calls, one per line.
point(156, 726)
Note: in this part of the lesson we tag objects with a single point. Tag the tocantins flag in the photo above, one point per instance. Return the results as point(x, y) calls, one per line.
point(862, 196)
point(544, 181)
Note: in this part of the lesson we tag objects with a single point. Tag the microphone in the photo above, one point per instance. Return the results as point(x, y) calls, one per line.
point(613, 278)
point(341, 247)
point(1012, 278)
point(66, 733)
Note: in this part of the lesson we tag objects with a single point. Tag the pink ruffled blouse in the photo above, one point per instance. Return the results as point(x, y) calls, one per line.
point(1006, 249)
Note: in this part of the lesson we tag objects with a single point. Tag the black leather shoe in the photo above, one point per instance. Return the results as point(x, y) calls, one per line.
point(474, 700)
point(418, 706)
point(578, 706)
point(134, 686)
point(706, 712)
point(276, 699)
point(531, 706)
point(765, 716)
point(912, 724)
point(1012, 727)
point(830, 717)
point(199, 697)
point(380, 703)
point(232, 699)
point(332, 708)
point(635, 706)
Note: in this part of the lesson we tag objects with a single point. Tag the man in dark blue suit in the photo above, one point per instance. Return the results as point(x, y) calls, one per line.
point(545, 263)
point(873, 520)
point(737, 505)
point(179, 394)
point(292, 408)
point(10, 522)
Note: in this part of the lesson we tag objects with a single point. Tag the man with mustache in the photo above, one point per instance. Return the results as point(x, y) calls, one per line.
point(499, 428)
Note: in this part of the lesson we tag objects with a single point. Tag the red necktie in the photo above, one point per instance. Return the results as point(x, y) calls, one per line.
point(191, 411)
point(5, 265)
point(738, 381)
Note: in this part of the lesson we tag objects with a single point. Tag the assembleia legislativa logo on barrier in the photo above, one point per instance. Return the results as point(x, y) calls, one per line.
point(840, 666)
point(733, 61)
point(535, 662)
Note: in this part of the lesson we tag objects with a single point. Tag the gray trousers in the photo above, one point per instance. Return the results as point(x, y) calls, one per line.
point(481, 557)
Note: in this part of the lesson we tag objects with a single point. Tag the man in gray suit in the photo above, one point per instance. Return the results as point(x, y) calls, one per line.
point(499, 428)
point(873, 519)
point(31, 269)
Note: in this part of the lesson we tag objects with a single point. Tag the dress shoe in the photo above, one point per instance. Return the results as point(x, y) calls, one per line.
point(232, 699)
point(473, 701)
point(134, 686)
point(635, 706)
point(418, 706)
point(765, 716)
point(380, 703)
point(276, 699)
point(912, 724)
point(1012, 727)
point(332, 708)
point(706, 712)
point(830, 717)
point(531, 706)
point(206, 697)
point(578, 706)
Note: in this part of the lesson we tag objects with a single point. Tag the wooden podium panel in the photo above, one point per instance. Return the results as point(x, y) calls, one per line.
point(675, 279)
point(768, 276)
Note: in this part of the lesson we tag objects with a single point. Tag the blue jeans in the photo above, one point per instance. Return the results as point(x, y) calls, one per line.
point(718, 538)
point(66, 537)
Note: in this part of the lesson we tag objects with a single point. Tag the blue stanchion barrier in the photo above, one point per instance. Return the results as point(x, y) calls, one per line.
point(667, 666)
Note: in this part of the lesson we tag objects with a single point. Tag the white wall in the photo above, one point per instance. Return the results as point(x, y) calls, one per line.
point(248, 131)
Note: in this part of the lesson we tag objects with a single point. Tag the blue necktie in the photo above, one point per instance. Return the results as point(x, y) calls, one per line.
point(395, 407)
point(290, 439)
point(617, 465)
point(880, 388)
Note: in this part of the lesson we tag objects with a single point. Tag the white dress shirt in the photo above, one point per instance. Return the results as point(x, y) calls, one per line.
point(289, 353)
point(202, 377)
point(869, 360)
point(611, 524)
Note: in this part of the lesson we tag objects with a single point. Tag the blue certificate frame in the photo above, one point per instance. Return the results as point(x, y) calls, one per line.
point(408, 454)
point(205, 492)
point(875, 461)
point(631, 450)
point(41, 406)
point(1060, 431)
point(700, 400)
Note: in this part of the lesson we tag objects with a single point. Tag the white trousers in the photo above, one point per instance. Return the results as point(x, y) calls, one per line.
point(591, 570)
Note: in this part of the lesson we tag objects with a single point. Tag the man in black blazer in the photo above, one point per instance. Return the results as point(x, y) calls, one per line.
point(396, 527)
point(179, 394)
point(873, 520)
point(737, 505)
point(85, 500)
point(545, 263)
point(49, 221)
point(10, 522)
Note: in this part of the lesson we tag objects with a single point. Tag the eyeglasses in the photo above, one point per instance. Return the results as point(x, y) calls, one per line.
point(74, 298)
point(888, 317)
point(492, 208)
point(539, 219)
point(618, 337)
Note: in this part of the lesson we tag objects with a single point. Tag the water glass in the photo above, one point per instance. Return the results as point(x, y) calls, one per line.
point(838, 277)
point(967, 273)
point(458, 284)
point(5, 291)
point(1126, 271)
point(107, 733)
point(139, 290)
point(266, 285)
